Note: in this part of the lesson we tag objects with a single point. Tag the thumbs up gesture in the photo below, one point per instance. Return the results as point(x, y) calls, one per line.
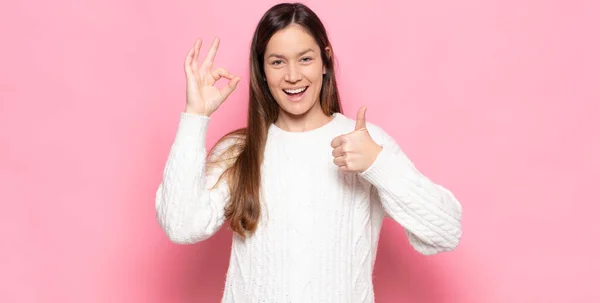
point(356, 151)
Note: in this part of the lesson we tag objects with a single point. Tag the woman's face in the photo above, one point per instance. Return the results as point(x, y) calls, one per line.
point(294, 70)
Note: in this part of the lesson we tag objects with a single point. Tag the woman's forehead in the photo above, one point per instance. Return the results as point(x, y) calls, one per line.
point(291, 41)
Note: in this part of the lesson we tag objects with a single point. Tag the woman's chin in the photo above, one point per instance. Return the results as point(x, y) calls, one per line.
point(298, 109)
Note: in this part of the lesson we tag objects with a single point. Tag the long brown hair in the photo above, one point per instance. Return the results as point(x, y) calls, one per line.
point(244, 174)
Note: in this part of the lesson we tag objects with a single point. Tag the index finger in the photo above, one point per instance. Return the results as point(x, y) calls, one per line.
point(337, 141)
point(210, 56)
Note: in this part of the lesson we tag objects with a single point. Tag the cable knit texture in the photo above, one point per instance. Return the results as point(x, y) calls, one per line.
point(317, 237)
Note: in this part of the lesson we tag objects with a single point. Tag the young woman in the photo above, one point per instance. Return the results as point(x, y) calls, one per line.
point(305, 189)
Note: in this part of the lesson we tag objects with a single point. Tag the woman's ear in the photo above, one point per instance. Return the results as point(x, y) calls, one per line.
point(328, 53)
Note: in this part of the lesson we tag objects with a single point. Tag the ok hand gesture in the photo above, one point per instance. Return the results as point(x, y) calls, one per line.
point(202, 97)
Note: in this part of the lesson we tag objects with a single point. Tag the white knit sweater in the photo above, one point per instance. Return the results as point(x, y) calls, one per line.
point(317, 237)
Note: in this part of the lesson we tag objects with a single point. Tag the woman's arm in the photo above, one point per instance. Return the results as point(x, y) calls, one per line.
point(187, 209)
point(429, 213)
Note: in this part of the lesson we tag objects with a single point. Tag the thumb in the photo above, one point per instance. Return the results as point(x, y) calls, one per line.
point(361, 122)
point(230, 87)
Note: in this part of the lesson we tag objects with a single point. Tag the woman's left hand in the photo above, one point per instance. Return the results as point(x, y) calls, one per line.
point(356, 151)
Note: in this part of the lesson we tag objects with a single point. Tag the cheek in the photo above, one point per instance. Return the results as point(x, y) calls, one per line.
point(273, 78)
point(273, 86)
point(315, 74)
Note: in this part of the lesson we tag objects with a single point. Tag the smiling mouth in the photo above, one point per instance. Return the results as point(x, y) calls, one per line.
point(297, 91)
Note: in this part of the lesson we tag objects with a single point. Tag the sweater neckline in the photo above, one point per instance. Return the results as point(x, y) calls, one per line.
point(313, 132)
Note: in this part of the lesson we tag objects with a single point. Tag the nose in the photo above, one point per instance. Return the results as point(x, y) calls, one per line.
point(293, 74)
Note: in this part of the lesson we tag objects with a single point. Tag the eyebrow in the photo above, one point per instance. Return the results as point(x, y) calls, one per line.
point(299, 54)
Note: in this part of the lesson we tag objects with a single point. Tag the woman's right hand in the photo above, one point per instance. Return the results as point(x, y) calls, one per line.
point(202, 96)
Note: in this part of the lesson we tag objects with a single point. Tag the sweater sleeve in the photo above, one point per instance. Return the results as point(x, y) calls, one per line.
point(429, 213)
point(188, 209)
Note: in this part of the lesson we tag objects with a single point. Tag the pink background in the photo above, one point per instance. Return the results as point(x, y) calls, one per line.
point(497, 100)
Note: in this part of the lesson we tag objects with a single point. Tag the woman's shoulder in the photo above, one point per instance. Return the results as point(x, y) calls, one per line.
point(235, 137)
point(229, 145)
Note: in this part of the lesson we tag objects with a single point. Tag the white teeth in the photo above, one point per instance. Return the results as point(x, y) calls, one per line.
point(295, 91)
